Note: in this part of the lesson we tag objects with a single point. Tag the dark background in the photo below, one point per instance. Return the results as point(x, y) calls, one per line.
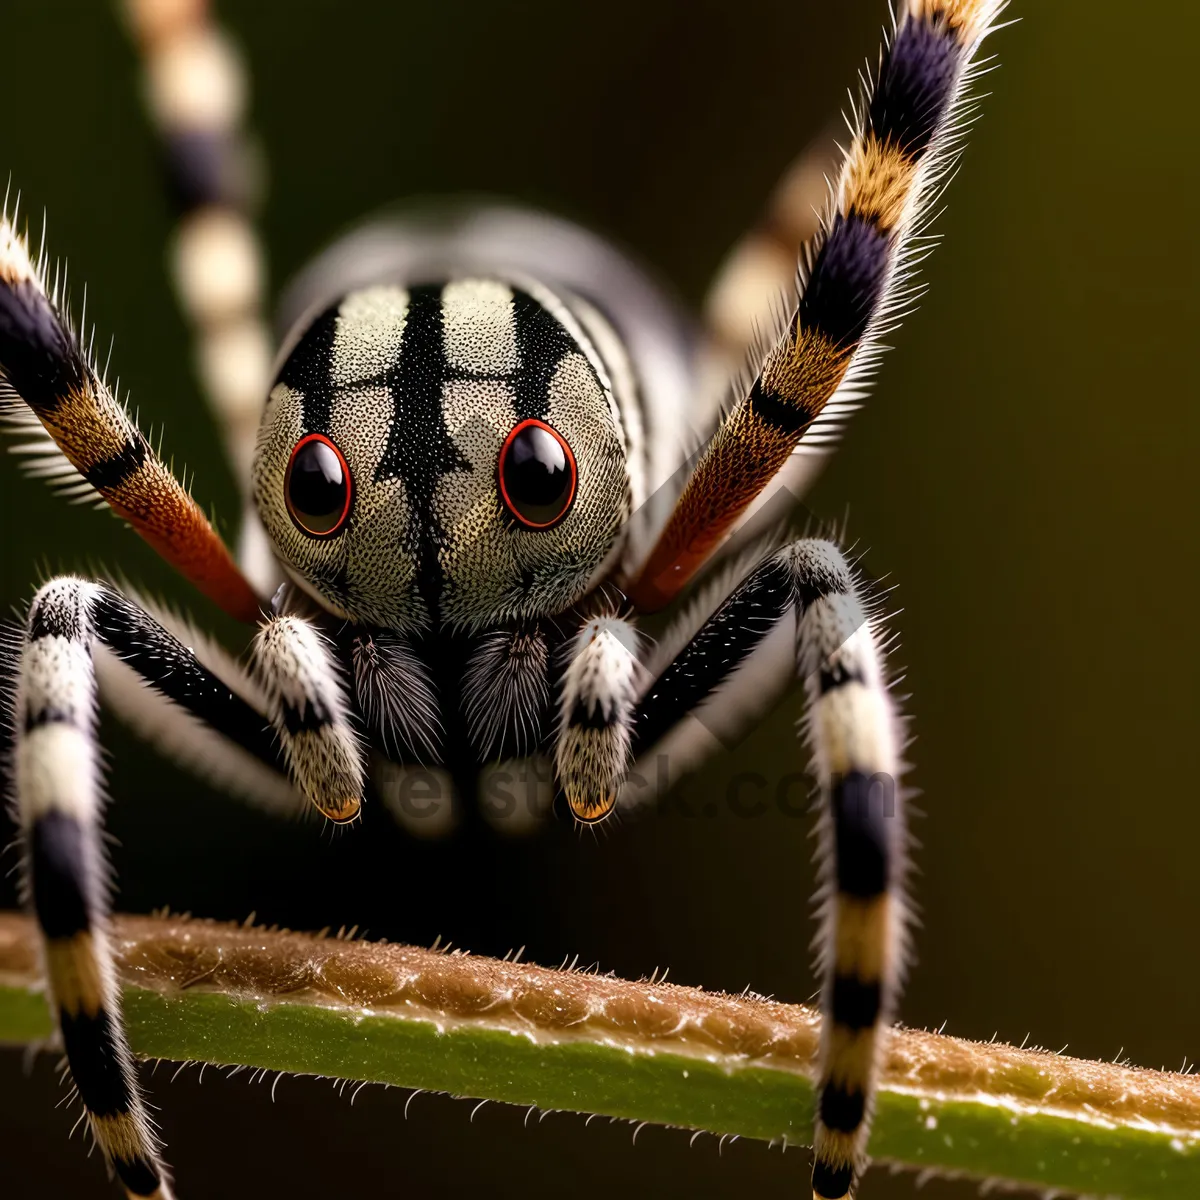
point(1024, 472)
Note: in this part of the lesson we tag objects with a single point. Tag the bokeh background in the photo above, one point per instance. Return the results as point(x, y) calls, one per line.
point(1025, 473)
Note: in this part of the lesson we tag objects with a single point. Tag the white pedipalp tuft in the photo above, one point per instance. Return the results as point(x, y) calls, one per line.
point(307, 705)
point(599, 686)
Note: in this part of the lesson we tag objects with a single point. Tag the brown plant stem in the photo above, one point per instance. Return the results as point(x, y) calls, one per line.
point(226, 994)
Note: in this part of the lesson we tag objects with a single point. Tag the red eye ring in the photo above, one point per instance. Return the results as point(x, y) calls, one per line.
point(318, 500)
point(536, 460)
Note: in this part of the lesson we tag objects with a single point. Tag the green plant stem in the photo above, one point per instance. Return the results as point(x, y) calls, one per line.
point(231, 995)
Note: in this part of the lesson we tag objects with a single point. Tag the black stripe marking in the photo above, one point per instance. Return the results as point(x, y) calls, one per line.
point(420, 450)
point(862, 805)
point(38, 354)
point(718, 648)
point(50, 715)
point(791, 419)
point(836, 674)
point(846, 280)
point(542, 343)
point(94, 1052)
point(830, 1182)
point(139, 1175)
point(312, 718)
point(204, 167)
point(594, 718)
point(60, 870)
point(172, 669)
point(111, 472)
point(916, 81)
point(307, 370)
point(855, 1004)
point(842, 1110)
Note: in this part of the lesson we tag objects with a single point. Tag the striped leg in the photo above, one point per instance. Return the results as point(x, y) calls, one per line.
point(307, 703)
point(599, 685)
point(83, 439)
point(58, 797)
point(195, 86)
point(852, 735)
point(854, 283)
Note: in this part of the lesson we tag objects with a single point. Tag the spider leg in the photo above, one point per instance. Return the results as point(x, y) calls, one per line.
point(94, 443)
point(309, 708)
point(750, 294)
point(58, 790)
point(195, 88)
point(854, 282)
point(853, 737)
point(755, 276)
point(851, 729)
point(729, 638)
point(183, 693)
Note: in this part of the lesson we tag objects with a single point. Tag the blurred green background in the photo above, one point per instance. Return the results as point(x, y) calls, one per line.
point(1024, 473)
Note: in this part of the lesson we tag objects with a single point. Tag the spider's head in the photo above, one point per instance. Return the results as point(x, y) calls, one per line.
point(444, 454)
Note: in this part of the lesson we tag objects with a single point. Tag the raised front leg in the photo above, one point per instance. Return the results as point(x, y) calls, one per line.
point(856, 280)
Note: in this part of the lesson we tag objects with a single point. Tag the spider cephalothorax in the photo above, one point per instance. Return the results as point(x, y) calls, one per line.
point(474, 459)
point(458, 448)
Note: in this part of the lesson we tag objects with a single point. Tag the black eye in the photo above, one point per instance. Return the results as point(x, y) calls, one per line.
point(537, 474)
point(317, 486)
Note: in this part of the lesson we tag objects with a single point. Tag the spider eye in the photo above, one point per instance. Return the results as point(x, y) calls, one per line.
point(537, 474)
point(317, 486)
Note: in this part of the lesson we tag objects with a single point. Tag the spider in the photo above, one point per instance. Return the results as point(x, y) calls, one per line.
point(469, 479)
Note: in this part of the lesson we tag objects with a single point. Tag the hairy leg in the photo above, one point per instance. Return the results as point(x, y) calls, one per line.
point(195, 86)
point(856, 282)
point(853, 737)
point(58, 794)
point(82, 438)
point(753, 283)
